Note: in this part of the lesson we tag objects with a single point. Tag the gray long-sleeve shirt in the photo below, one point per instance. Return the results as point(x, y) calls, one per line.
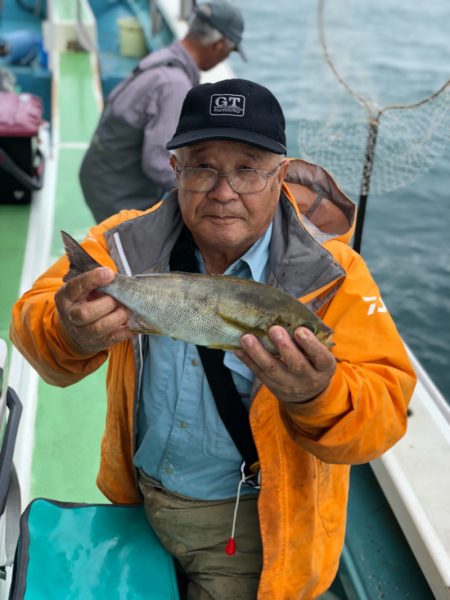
point(127, 164)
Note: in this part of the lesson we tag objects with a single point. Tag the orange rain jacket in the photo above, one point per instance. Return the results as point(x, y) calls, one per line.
point(305, 450)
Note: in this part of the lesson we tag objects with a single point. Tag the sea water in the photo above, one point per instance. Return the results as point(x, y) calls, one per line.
point(388, 53)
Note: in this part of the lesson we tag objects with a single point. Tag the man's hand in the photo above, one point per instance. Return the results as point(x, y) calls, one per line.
point(303, 369)
point(92, 321)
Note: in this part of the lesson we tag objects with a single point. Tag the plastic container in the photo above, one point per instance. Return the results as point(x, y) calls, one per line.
point(131, 38)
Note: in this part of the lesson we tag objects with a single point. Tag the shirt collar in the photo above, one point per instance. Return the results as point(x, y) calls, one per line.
point(255, 258)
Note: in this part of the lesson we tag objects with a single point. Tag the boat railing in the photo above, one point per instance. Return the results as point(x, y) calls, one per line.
point(69, 24)
point(414, 478)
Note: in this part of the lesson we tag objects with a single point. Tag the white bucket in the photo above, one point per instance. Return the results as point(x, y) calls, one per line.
point(131, 38)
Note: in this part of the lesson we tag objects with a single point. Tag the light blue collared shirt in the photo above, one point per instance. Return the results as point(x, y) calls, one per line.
point(182, 442)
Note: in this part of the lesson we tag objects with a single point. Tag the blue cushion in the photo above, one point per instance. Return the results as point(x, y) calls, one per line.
point(84, 552)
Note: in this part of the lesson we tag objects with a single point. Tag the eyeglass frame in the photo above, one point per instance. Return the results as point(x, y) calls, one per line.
point(265, 174)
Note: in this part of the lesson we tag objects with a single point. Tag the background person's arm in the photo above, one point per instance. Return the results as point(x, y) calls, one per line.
point(163, 115)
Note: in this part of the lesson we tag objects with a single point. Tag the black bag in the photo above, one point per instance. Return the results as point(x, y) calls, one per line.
point(21, 161)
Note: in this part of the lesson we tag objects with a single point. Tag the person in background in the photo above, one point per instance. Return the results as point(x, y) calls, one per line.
point(313, 411)
point(127, 164)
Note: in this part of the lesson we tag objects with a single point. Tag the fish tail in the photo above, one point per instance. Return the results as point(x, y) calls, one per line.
point(80, 261)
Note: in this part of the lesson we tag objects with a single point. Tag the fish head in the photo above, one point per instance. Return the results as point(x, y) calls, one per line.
point(324, 336)
point(308, 320)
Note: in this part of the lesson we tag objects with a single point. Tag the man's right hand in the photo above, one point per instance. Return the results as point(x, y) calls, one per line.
point(92, 321)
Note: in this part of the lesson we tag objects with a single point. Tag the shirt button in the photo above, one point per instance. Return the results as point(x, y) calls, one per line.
point(194, 362)
point(184, 424)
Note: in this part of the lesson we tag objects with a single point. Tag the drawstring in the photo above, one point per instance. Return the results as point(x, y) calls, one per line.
point(230, 547)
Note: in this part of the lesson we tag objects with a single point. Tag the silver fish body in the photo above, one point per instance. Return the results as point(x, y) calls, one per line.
point(207, 310)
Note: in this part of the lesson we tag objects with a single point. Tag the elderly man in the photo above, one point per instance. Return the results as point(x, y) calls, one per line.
point(313, 411)
point(127, 164)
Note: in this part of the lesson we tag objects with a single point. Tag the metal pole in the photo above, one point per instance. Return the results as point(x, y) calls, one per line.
point(365, 182)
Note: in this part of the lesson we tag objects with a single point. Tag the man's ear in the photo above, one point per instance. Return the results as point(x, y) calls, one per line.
point(173, 161)
point(221, 48)
point(283, 170)
point(220, 43)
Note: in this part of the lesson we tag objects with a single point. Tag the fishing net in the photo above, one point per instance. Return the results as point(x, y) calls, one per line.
point(378, 139)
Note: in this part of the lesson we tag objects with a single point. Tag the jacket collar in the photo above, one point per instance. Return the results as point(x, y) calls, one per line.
point(298, 264)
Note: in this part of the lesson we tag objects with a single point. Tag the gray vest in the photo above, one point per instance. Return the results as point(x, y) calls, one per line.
point(111, 174)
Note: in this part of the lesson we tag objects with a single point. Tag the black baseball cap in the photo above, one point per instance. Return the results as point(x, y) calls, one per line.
point(224, 17)
point(232, 109)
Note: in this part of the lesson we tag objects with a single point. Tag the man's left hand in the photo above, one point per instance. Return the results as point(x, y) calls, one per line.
point(302, 370)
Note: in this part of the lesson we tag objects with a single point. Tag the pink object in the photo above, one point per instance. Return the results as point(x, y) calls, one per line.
point(20, 114)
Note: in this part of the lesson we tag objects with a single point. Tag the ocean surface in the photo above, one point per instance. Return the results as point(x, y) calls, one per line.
point(386, 53)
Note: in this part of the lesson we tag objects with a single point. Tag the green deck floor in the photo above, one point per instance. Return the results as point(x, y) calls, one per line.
point(69, 422)
point(13, 234)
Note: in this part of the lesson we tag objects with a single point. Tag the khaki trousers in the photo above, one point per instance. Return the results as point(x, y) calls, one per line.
point(195, 533)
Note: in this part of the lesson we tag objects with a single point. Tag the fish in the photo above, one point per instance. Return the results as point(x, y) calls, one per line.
point(206, 310)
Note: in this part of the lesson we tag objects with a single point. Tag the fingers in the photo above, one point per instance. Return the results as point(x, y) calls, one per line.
point(302, 370)
point(79, 287)
point(85, 313)
point(258, 359)
point(89, 337)
point(105, 326)
point(92, 321)
point(317, 354)
point(77, 302)
point(305, 351)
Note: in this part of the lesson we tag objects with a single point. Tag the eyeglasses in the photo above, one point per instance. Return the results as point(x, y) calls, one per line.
point(242, 181)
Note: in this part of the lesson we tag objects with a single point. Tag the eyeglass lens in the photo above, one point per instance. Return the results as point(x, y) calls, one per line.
point(241, 180)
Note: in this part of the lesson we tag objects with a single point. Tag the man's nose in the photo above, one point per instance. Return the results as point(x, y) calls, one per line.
point(223, 191)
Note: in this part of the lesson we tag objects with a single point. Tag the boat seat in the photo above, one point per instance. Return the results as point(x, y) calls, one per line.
point(96, 551)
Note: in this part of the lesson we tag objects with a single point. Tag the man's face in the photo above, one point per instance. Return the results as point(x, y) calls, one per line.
point(214, 54)
point(223, 219)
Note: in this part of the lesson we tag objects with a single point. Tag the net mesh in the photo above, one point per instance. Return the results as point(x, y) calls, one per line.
point(410, 132)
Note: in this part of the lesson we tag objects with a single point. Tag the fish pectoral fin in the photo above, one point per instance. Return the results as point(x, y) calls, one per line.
point(279, 321)
point(140, 325)
point(241, 326)
point(223, 347)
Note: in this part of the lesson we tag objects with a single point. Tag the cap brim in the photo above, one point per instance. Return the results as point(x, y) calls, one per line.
point(241, 53)
point(226, 133)
point(212, 23)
